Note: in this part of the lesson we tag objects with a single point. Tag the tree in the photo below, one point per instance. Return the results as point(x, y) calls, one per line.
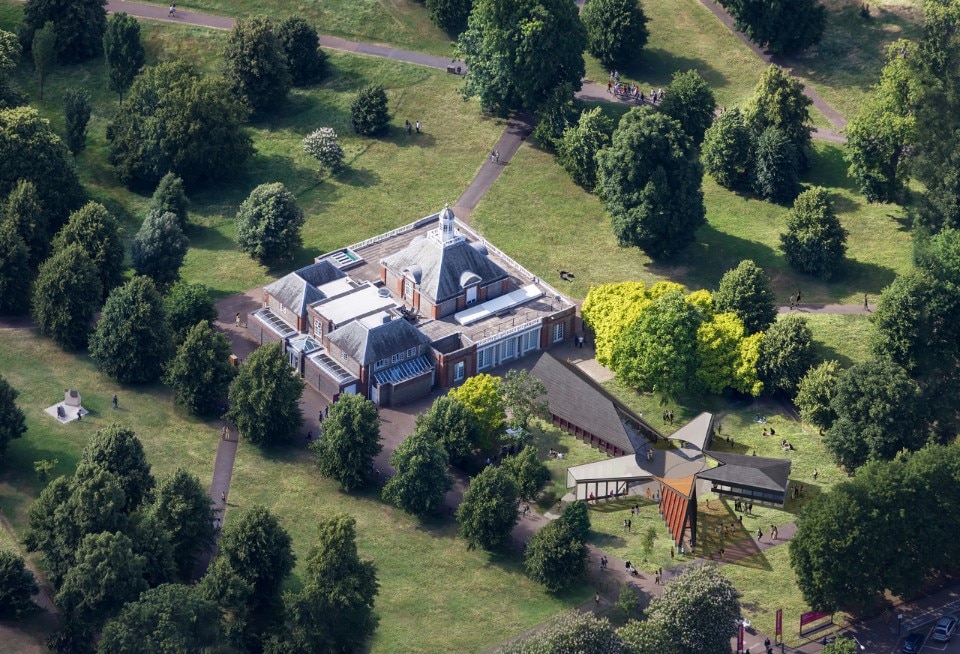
point(306, 61)
point(609, 310)
point(522, 398)
point(132, 342)
point(517, 53)
point(76, 113)
point(44, 50)
point(15, 271)
point(185, 305)
point(650, 181)
point(323, 146)
point(616, 30)
point(781, 26)
point(17, 586)
point(528, 471)
point(32, 152)
point(256, 65)
point(264, 397)
point(745, 290)
point(815, 242)
point(815, 392)
point(24, 211)
point(555, 557)
point(583, 633)
point(699, 608)
point(269, 223)
point(577, 518)
point(452, 425)
point(65, 296)
point(170, 197)
point(350, 441)
point(79, 26)
point(727, 358)
point(124, 52)
point(97, 232)
point(690, 102)
point(644, 636)
point(10, 51)
point(786, 354)
point(168, 104)
point(181, 508)
point(488, 511)
point(12, 420)
point(728, 154)
point(658, 353)
point(778, 101)
point(422, 480)
point(106, 576)
point(200, 372)
point(841, 646)
point(369, 111)
point(554, 116)
point(117, 450)
point(628, 603)
point(223, 586)
point(450, 15)
point(777, 167)
point(153, 544)
point(171, 617)
point(879, 412)
point(481, 395)
point(258, 549)
point(577, 151)
point(334, 611)
point(159, 248)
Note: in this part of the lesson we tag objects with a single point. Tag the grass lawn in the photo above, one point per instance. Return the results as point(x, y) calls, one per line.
point(845, 338)
point(535, 213)
point(575, 452)
point(387, 182)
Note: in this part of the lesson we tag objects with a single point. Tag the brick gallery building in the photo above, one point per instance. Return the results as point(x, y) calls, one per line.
point(423, 306)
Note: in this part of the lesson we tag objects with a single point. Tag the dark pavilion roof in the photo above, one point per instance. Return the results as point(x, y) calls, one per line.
point(298, 289)
point(369, 341)
point(576, 398)
point(750, 471)
point(442, 269)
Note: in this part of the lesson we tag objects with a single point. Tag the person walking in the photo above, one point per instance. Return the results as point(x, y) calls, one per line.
point(418, 127)
point(223, 496)
point(866, 302)
point(759, 534)
point(116, 401)
point(408, 127)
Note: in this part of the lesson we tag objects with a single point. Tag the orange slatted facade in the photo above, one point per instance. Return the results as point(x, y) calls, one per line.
point(679, 513)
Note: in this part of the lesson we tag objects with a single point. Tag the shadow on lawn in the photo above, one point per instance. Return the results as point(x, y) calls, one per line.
point(656, 66)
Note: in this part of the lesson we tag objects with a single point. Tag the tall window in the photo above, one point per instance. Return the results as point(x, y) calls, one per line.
point(397, 358)
point(411, 353)
point(558, 332)
point(531, 340)
point(484, 358)
point(459, 371)
point(317, 327)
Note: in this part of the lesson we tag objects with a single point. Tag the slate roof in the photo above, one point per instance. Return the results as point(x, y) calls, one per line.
point(751, 471)
point(368, 343)
point(576, 398)
point(321, 273)
point(442, 268)
point(298, 289)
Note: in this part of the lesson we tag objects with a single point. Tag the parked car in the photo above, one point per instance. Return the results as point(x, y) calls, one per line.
point(945, 628)
point(913, 643)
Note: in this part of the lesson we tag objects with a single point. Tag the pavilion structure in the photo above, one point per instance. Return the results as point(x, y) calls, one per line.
point(668, 475)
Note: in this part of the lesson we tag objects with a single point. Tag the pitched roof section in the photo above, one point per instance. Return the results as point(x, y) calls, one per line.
point(320, 273)
point(697, 432)
point(576, 398)
point(370, 339)
point(751, 471)
point(441, 269)
point(298, 289)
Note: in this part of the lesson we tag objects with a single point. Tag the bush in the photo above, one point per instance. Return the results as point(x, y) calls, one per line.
point(616, 30)
point(269, 223)
point(306, 61)
point(370, 112)
point(324, 146)
point(815, 242)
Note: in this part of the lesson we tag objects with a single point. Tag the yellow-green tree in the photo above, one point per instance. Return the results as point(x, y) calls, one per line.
point(481, 394)
point(727, 359)
point(609, 309)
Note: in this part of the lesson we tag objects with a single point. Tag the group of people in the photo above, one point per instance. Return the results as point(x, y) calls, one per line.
point(554, 454)
point(410, 127)
point(628, 90)
point(667, 417)
point(172, 12)
point(786, 445)
point(745, 507)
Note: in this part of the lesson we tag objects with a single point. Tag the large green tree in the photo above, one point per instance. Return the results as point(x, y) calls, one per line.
point(334, 611)
point(124, 52)
point(650, 181)
point(256, 64)
point(573, 631)
point(31, 151)
point(97, 232)
point(17, 586)
point(10, 52)
point(528, 471)
point(200, 372)
point(776, 171)
point(523, 398)
point(76, 116)
point(815, 392)
point(65, 296)
point(370, 111)
point(13, 423)
point(745, 290)
point(159, 248)
point(24, 210)
point(264, 397)
point(422, 480)
point(616, 30)
point(15, 271)
point(44, 49)
point(481, 395)
point(786, 354)
point(187, 304)
point(298, 39)
point(269, 223)
point(690, 102)
point(450, 15)
point(658, 353)
point(644, 636)
point(577, 150)
point(132, 341)
point(117, 450)
point(169, 618)
point(181, 508)
point(167, 106)
point(781, 26)
point(350, 441)
point(518, 52)
point(778, 101)
point(451, 424)
point(488, 511)
point(170, 197)
point(79, 26)
point(815, 242)
point(728, 154)
point(556, 557)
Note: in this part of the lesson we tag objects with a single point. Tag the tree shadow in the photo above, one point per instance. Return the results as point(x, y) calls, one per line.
point(357, 177)
point(656, 66)
point(208, 237)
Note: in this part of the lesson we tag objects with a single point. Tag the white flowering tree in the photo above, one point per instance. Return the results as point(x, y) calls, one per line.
point(324, 146)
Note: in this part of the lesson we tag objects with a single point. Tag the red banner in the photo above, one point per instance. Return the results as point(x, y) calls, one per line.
point(740, 638)
point(812, 616)
point(779, 622)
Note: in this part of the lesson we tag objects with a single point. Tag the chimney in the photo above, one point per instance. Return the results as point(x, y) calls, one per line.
point(386, 318)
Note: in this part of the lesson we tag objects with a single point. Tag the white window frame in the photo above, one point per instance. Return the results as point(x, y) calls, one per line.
point(283, 309)
point(557, 332)
point(397, 358)
point(459, 371)
point(531, 340)
point(381, 364)
point(411, 353)
point(485, 358)
point(343, 355)
point(317, 328)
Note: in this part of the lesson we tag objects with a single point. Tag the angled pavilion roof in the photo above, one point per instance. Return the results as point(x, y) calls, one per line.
point(751, 471)
point(697, 432)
